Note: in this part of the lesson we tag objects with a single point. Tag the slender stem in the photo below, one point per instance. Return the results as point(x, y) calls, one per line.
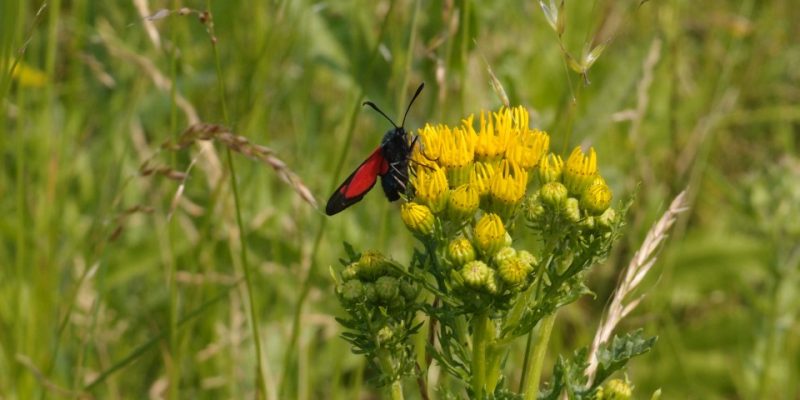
point(385, 361)
point(534, 373)
point(248, 280)
point(479, 338)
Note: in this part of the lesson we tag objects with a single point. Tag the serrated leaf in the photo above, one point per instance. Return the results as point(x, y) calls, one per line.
point(614, 356)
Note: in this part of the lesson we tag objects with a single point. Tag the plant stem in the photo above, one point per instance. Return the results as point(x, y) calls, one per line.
point(534, 372)
point(385, 361)
point(479, 323)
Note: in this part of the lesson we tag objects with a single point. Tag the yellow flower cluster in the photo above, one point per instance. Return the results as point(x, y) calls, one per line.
point(492, 160)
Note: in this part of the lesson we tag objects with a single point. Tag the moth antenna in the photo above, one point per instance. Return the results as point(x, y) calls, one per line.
point(419, 89)
point(374, 107)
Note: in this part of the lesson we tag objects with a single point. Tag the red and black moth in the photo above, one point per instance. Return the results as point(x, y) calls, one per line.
point(389, 161)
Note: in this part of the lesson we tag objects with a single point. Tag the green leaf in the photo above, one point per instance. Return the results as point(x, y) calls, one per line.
point(614, 356)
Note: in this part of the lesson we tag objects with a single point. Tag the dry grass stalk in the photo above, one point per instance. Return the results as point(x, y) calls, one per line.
point(634, 274)
point(241, 145)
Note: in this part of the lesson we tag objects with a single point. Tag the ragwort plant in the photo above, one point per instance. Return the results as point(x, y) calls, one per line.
point(475, 189)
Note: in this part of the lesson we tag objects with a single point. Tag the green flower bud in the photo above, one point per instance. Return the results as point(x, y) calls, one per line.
point(370, 293)
point(607, 219)
point(533, 208)
point(372, 265)
point(597, 198)
point(476, 274)
point(352, 291)
point(491, 284)
point(503, 254)
point(550, 168)
point(417, 218)
point(490, 234)
point(553, 194)
point(409, 291)
point(527, 258)
point(616, 389)
point(460, 251)
point(384, 335)
point(463, 202)
point(513, 270)
point(350, 272)
point(588, 223)
point(387, 288)
point(572, 211)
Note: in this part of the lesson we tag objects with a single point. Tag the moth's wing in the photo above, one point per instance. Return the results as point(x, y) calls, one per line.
point(358, 183)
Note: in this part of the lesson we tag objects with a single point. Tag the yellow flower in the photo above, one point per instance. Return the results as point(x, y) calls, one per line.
point(597, 198)
point(527, 148)
point(430, 186)
point(553, 194)
point(490, 234)
point(460, 251)
point(513, 270)
point(417, 218)
point(508, 186)
point(550, 168)
point(463, 202)
point(456, 154)
point(428, 148)
point(492, 138)
point(580, 170)
point(480, 177)
point(372, 265)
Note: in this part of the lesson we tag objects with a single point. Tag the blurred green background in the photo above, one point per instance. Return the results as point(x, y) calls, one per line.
point(110, 288)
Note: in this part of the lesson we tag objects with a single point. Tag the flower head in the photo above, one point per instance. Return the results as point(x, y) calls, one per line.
point(430, 185)
point(463, 202)
point(371, 265)
point(481, 176)
point(417, 218)
point(490, 234)
point(460, 251)
point(476, 274)
point(492, 138)
point(550, 168)
point(428, 147)
point(513, 270)
point(508, 186)
point(528, 147)
point(580, 170)
point(597, 197)
point(553, 194)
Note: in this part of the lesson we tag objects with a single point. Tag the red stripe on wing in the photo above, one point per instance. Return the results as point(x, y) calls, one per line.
point(358, 183)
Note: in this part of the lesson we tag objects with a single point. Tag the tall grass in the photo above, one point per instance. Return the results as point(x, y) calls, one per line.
point(114, 287)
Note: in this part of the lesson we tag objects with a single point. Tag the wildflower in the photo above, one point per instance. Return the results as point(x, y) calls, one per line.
point(476, 274)
point(28, 76)
point(460, 251)
point(528, 147)
point(490, 234)
point(428, 147)
point(492, 138)
point(387, 288)
point(553, 194)
point(550, 168)
point(457, 153)
point(371, 265)
point(350, 272)
point(580, 170)
point(513, 270)
point(351, 291)
point(480, 177)
point(597, 198)
point(508, 187)
point(571, 210)
point(463, 202)
point(615, 389)
point(384, 335)
point(417, 218)
point(430, 185)
point(503, 254)
point(533, 207)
